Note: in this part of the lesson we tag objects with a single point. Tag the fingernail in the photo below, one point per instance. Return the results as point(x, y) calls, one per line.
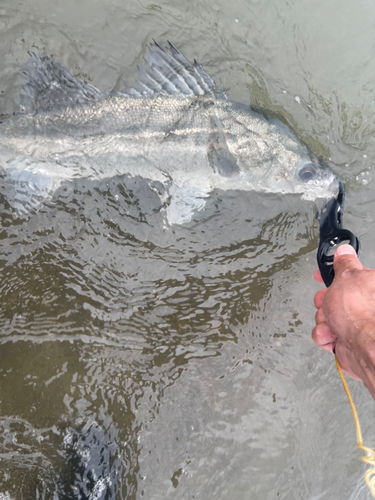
point(345, 250)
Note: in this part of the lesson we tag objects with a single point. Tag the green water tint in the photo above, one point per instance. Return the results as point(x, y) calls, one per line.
point(178, 363)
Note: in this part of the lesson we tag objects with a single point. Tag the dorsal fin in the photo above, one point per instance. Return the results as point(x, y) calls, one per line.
point(48, 85)
point(169, 73)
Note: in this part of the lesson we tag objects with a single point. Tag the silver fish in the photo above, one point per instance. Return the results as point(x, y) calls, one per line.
point(174, 126)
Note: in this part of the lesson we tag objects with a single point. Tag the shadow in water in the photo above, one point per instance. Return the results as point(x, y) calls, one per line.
point(105, 307)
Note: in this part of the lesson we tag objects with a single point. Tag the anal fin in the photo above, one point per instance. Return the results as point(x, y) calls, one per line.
point(25, 190)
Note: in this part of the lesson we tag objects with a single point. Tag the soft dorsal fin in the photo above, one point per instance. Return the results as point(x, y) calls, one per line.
point(48, 85)
point(169, 73)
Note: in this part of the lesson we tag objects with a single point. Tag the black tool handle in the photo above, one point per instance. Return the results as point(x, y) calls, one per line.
point(325, 261)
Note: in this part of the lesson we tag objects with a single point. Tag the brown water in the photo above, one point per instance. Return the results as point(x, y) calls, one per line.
point(140, 362)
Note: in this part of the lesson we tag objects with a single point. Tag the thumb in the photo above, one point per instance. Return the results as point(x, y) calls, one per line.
point(345, 259)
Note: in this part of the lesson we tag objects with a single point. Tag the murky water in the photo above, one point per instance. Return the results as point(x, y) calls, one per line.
point(139, 361)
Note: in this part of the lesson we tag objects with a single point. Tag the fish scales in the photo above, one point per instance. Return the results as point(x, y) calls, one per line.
point(173, 126)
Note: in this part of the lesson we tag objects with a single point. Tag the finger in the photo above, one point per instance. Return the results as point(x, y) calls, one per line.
point(324, 337)
point(319, 316)
point(319, 296)
point(318, 276)
point(345, 259)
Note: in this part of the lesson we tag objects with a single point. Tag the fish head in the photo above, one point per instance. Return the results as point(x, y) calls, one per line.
point(273, 160)
point(302, 174)
point(314, 179)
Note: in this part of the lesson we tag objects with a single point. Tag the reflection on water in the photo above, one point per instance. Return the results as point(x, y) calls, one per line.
point(117, 312)
point(143, 361)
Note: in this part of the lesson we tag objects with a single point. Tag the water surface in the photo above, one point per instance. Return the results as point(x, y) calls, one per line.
point(140, 361)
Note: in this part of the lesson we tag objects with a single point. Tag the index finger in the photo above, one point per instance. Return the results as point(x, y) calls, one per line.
point(318, 276)
point(318, 299)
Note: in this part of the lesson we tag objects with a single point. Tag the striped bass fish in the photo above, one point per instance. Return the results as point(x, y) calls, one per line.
point(173, 126)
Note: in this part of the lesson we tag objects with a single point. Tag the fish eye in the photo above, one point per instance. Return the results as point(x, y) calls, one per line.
point(307, 172)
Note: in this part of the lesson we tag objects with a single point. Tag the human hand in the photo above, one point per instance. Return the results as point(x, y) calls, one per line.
point(345, 320)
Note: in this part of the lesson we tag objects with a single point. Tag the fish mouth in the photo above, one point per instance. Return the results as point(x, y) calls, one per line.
point(331, 182)
point(336, 187)
point(324, 188)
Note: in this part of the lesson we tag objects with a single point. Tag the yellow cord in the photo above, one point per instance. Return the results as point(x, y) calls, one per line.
point(370, 457)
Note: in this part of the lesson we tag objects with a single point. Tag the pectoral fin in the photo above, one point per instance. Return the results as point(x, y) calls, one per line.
point(219, 157)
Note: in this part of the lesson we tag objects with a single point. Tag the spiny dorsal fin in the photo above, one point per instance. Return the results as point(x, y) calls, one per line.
point(169, 73)
point(48, 84)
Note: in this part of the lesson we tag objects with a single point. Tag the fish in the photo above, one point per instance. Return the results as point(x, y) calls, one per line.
point(173, 126)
